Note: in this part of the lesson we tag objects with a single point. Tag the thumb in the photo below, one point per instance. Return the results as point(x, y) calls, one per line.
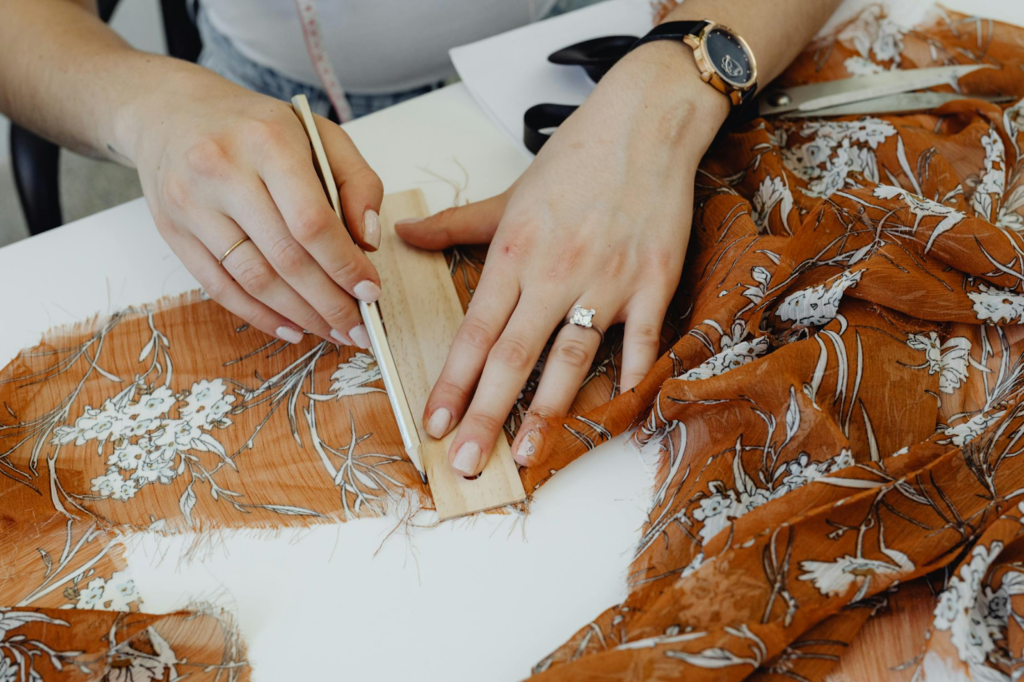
point(470, 224)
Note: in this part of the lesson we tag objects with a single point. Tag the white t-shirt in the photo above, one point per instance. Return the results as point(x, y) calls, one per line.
point(375, 46)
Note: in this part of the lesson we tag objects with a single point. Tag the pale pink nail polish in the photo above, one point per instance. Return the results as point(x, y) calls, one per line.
point(439, 421)
point(467, 459)
point(340, 338)
point(359, 336)
point(366, 291)
point(289, 334)
point(371, 228)
point(528, 447)
point(408, 221)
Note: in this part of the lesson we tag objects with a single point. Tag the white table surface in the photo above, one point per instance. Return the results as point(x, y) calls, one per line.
point(476, 600)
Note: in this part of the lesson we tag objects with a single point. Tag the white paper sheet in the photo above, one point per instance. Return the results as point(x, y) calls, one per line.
point(509, 73)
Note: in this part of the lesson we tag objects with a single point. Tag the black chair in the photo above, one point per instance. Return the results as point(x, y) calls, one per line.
point(36, 161)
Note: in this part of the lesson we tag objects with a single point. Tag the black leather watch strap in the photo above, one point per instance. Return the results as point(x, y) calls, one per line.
point(671, 30)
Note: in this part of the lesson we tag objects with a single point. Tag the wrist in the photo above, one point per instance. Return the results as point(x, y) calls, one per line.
point(660, 81)
point(138, 123)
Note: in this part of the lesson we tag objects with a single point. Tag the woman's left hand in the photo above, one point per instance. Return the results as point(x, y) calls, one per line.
point(600, 219)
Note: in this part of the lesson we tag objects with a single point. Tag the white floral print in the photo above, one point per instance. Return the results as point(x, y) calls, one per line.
point(819, 304)
point(717, 510)
point(835, 577)
point(153, 405)
point(352, 378)
point(873, 34)
point(834, 151)
point(860, 66)
point(206, 403)
point(763, 277)
point(735, 334)
point(975, 615)
point(113, 485)
point(1009, 215)
point(148, 442)
point(772, 192)
point(964, 433)
point(114, 594)
point(949, 360)
point(25, 651)
point(993, 176)
point(734, 356)
point(923, 208)
point(997, 306)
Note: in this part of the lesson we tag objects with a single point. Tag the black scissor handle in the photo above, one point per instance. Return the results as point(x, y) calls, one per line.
point(596, 55)
point(541, 118)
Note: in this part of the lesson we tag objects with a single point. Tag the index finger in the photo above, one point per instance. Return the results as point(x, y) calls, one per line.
point(296, 190)
point(509, 363)
point(359, 187)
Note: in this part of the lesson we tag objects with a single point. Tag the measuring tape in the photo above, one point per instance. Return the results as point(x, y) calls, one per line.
point(321, 62)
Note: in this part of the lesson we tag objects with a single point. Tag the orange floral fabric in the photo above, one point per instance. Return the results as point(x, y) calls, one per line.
point(842, 411)
point(839, 410)
point(170, 418)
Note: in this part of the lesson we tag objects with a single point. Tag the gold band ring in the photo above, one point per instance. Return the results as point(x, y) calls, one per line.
point(220, 261)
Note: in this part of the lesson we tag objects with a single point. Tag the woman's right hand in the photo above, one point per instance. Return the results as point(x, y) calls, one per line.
point(219, 163)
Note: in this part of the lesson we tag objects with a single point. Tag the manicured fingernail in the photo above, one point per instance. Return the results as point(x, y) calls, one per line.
point(407, 221)
point(438, 423)
point(528, 446)
point(290, 334)
point(340, 338)
point(359, 336)
point(366, 291)
point(467, 459)
point(371, 228)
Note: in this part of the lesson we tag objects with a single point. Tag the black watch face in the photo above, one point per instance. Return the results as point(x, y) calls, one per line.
point(728, 56)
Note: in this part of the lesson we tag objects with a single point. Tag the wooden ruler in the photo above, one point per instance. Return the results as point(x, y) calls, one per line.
point(423, 313)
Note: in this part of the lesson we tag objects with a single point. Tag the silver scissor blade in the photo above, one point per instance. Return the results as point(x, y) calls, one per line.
point(911, 101)
point(847, 90)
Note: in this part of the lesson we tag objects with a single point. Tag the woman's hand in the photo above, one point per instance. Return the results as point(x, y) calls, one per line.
point(219, 163)
point(601, 220)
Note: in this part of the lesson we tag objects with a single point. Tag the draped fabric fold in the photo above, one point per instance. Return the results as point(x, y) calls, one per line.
point(841, 413)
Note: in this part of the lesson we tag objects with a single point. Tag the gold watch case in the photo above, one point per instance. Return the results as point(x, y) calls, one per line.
point(709, 74)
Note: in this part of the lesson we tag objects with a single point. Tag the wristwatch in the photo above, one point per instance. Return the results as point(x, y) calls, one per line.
point(724, 59)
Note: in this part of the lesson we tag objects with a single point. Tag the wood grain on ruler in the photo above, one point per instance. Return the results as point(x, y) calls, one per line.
point(422, 313)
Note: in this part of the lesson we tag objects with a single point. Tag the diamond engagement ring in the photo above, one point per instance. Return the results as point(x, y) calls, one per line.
point(582, 317)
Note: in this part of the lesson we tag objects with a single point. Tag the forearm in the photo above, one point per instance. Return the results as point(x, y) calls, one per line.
point(67, 76)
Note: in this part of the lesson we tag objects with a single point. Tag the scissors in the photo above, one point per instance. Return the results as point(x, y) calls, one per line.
point(888, 92)
point(883, 93)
